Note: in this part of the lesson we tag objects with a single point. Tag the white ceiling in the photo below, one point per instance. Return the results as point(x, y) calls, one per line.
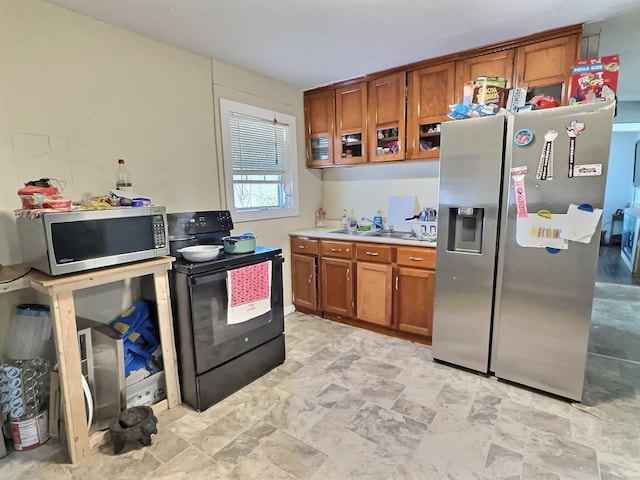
point(308, 43)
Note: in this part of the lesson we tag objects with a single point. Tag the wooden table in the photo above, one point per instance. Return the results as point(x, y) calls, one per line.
point(63, 317)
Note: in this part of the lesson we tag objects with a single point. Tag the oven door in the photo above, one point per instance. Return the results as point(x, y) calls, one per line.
point(215, 341)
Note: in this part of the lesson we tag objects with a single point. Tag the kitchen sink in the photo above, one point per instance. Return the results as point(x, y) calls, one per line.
point(346, 231)
point(376, 233)
point(393, 234)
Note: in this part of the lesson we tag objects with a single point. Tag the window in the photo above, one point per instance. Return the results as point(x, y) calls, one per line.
point(259, 150)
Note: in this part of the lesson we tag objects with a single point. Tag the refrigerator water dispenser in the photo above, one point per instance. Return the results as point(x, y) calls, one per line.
point(465, 229)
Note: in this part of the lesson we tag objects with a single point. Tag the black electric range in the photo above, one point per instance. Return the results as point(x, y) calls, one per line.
point(217, 356)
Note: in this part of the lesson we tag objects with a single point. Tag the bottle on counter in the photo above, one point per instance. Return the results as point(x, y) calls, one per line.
point(320, 217)
point(123, 178)
point(344, 221)
point(377, 220)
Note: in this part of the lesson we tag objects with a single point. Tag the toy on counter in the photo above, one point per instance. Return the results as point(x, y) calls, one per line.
point(594, 79)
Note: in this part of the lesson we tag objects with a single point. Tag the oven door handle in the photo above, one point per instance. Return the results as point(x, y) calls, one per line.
point(209, 278)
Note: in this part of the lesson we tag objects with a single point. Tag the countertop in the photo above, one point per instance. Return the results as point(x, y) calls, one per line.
point(326, 233)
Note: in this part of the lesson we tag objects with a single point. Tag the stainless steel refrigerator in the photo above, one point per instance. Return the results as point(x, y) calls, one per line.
point(503, 304)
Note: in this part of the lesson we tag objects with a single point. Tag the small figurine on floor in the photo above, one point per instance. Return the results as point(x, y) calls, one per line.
point(136, 423)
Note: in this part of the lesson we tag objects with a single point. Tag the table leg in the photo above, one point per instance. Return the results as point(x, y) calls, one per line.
point(68, 353)
point(165, 326)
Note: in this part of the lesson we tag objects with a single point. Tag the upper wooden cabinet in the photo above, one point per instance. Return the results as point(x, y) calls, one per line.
point(351, 124)
point(319, 117)
point(370, 123)
point(431, 91)
point(545, 67)
point(498, 64)
point(386, 118)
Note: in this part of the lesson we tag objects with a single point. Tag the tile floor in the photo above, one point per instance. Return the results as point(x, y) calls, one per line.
point(351, 404)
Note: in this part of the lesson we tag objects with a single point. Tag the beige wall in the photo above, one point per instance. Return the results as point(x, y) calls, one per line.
point(77, 94)
point(363, 190)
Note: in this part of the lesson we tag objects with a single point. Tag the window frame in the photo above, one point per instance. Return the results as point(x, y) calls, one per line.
point(227, 107)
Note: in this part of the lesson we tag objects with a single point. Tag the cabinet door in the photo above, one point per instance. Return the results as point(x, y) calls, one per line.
point(304, 281)
point(431, 91)
point(373, 299)
point(337, 286)
point(351, 124)
point(386, 118)
point(413, 300)
point(499, 64)
point(545, 67)
point(319, 116)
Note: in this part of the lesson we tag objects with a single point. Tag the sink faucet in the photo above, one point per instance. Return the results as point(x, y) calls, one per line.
point(378, 225)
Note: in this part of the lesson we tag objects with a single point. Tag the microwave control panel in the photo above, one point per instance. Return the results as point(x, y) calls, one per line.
point(159, 236)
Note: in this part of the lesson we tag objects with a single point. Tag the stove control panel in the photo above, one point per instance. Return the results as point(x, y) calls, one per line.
point(193, 223)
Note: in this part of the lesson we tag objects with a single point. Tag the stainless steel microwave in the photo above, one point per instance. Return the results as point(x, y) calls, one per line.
point(58, 243)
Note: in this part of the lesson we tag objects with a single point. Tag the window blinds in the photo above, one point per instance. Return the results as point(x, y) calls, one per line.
point(258, 146)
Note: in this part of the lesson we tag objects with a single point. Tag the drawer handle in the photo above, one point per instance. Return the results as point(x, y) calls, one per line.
point(416, 259)
point(336, 249)
point(302, 246)
point(373, 254)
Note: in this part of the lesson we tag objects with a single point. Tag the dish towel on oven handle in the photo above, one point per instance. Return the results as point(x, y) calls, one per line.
point(248, 292)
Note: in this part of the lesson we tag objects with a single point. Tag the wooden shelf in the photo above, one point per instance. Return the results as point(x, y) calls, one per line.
point(430, 134)
point(14, 277)
point(63, 318)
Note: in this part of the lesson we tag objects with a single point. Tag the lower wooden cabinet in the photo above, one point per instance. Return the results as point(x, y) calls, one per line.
point(413, 300)
point(373, 285)
point(304, 281)
point(414, 283)
point(389, 287)
point(373, 301)
point(336, 274)
point(304, 273)
point(337, 286)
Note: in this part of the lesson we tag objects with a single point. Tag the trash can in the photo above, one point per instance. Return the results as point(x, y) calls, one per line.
point(30, 332)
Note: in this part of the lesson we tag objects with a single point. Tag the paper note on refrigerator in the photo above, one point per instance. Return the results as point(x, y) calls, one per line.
point(581, 224)
point(536, 231)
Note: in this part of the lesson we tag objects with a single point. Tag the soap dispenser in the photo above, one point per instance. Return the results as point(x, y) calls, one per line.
point(377, 220)
point(344, 221)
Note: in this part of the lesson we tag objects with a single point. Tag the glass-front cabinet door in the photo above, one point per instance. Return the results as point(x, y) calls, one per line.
point(319, 114)
point(351, 124)
point(431, 91)
point(386, 118)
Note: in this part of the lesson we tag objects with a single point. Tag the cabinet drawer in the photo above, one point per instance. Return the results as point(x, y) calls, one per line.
point(417, 257)
point(330, 248)
point(371, 252)
point(304, 245)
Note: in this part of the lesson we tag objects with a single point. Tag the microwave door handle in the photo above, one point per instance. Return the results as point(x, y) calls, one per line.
point(210, 278)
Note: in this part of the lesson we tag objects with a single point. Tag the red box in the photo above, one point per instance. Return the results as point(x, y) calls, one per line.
point(589, 76)
point(29, 201)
